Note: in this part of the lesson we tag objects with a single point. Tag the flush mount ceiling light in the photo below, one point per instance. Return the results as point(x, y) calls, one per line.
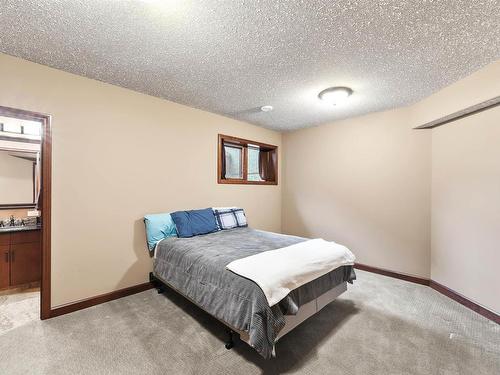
point(335, 95)
point(266, 108)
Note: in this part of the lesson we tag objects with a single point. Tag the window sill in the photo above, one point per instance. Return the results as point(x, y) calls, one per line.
point(243, 182)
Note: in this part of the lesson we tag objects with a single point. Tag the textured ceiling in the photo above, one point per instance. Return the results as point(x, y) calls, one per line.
point(233, 56)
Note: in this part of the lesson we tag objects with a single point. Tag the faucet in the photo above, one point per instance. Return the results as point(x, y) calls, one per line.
point(12, 221)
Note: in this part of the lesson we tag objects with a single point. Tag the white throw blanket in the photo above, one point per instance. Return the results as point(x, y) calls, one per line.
point(278, 272)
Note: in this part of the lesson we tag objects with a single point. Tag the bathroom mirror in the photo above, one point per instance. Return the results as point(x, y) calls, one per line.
point(20, 141)
point(19, 178)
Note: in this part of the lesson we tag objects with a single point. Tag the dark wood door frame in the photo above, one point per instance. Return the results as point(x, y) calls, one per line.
point(46, 195)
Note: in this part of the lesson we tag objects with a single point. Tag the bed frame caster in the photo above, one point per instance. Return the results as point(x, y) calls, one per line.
point(230, 342)
point(160, 288)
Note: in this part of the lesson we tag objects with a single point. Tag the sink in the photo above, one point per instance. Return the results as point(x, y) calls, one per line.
point(19, 228)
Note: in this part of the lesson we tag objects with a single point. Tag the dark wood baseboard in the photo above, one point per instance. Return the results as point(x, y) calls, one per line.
point(396, 275)
point(413, 279)
point(92, 301)
point(437, 287)
point(465, 301)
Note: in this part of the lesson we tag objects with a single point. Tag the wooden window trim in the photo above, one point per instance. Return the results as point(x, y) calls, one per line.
point(244, 143)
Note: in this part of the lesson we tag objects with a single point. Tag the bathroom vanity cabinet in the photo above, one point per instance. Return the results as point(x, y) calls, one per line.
point(21, 257)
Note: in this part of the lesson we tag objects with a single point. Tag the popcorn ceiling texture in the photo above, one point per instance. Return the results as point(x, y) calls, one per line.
point(232, 57)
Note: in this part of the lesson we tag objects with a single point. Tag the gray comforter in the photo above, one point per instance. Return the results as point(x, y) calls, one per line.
point(196, 267)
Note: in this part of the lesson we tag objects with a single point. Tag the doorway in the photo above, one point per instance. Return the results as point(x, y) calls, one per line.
point(25, 202)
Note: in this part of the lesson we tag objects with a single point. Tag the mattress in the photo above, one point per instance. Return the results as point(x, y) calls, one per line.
point(196, 268)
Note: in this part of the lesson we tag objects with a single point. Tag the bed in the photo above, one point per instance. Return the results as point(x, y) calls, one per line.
point(196, 268)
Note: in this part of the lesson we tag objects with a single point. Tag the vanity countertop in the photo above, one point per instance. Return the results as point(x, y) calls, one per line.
point(20, 228)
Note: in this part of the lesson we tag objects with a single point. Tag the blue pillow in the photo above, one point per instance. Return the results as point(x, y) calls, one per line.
point(158, 227)
point(194, 222)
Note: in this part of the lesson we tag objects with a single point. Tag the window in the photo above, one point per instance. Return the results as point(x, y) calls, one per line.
point(253, 163)
point(233, 161)
point(241, 161)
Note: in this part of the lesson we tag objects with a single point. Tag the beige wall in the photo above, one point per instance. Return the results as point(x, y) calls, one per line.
point(17, 213)
point(476, 88)
point(118, 155)
point(365, 183)
point(466, 189)
point(466, 207)
point(421, 202)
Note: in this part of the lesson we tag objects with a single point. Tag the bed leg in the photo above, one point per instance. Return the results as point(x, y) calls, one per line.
point(230, 342)
point(160, 289)
point(159, 286)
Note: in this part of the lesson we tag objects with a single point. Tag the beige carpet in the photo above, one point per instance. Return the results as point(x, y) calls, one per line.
point(380, 326)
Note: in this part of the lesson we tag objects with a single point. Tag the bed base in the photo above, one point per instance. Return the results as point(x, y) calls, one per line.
point(291, 321)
